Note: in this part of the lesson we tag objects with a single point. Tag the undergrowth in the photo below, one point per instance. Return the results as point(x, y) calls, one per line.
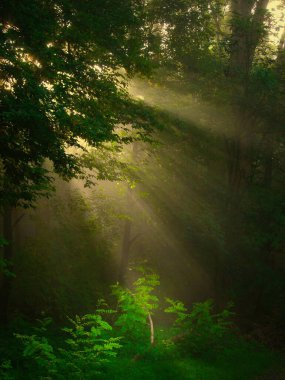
point(122, 342)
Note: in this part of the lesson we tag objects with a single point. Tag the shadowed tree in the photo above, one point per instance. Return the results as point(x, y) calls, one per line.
point(64, 70)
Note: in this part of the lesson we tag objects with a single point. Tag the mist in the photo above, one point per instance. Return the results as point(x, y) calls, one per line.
point(142, 187)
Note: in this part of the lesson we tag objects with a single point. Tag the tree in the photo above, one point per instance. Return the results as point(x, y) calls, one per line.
point(64, 71)
point(223, 52)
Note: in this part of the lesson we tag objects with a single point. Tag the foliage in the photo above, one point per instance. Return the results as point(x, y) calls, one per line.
point(38, 348)
point(189, 34)
point(5, 264)
point(135, 306)
point(63, 86)
point(5, 370)
point(65, 67)
point(3, 242)
point(90, 351)
point(86, 352)
point(243, 362)
point(234, 364)
point(200, 330)
point(89, 346)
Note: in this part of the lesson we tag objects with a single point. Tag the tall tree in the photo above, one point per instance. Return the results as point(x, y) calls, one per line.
point(221, 51)
point(64, 69)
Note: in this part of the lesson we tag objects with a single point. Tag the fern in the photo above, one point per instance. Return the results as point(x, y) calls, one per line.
point(87, 349)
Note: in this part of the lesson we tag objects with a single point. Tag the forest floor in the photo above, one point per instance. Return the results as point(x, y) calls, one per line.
point(246, 360)
point(238, 364)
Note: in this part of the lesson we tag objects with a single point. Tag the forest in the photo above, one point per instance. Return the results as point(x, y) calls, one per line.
point(142, 189)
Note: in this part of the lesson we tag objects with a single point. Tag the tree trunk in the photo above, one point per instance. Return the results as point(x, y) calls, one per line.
point(247, 29)
point(247, 20)
point(6, 285)
point(151, 326)
point(125, 252)
point(127, 239)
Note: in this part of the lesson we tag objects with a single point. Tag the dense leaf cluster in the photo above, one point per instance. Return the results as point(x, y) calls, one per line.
point(64, 69)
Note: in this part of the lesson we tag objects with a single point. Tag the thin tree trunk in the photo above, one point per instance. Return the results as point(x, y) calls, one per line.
point(125, 251)
point(127, 239)
point(151, 329)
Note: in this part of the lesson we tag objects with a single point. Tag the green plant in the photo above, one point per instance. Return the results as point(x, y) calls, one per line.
point(38, 348)
point(5, 264)
point(89, 346)
point(136, 307)
point(84, 354)
point(5, 370)
point(93, 343)
point(200, 330)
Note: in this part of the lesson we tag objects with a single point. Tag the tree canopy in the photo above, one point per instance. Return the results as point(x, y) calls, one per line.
point(64, 68)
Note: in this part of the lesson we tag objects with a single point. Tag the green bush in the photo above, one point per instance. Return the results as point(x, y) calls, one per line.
point(84, 355)
point(135, 308)
point(200, 330)
point(6, 370)
point(93, 343)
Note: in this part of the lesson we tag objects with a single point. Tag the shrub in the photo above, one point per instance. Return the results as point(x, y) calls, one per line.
point(6, 370)
point(92, 341)
point(84, 355)
point(136, 307)
point(200, 330)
